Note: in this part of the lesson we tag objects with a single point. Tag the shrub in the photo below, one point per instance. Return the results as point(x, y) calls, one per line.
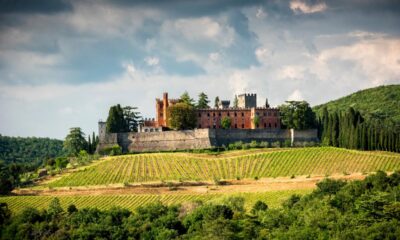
point(254, 144)
point(287, 143)
point(264, 144)
point(112, 151)
point(276, 144)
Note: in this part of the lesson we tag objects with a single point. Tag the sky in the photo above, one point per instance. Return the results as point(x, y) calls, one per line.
point(63, 63)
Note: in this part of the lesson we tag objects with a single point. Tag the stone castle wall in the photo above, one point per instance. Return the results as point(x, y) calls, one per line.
point(199, 138)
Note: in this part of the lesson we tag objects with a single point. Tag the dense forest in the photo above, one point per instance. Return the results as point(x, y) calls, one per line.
point(380, 103)
point(367, 209)
point(30, 150)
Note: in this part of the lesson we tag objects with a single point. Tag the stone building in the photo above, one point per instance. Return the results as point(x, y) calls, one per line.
point(246, 116)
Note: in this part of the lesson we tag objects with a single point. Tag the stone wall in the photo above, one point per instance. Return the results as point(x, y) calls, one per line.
point(200, 138)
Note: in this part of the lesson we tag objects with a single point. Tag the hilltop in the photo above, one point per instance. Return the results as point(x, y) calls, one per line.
point(381, 102)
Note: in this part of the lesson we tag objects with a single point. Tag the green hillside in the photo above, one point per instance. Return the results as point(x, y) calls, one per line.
point(378, 103)
point(250, 165)
point(29, 150)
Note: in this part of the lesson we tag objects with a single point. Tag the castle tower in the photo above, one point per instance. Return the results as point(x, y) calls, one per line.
point(165, 108)
point(102, 130)
point(247, 100)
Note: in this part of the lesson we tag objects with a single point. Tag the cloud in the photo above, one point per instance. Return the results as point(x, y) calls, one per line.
point(299, 6)
point(261, 54)
point(261, 14)
point(214, 57)
point(374, 59)
point(152, 61)
point(295, 96)
point(291, 72)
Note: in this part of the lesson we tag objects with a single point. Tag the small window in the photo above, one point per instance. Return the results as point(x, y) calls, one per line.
point(235, 125)
point(208, 114)
point(213, 114)
point(228, 114)
point(242, 114)
point(275, 125)
point(199, 125)
point(269, 125)
point(219, 114)
point(199, 114)
point(265, 125)
point(265, 114)
point(242, 125)
point(235, 114)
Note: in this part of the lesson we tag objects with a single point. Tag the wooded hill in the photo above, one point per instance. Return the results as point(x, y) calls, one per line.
point(379, 103)
point(30, 150)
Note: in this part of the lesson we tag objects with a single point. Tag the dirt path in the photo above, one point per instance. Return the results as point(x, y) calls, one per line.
point(234, 186)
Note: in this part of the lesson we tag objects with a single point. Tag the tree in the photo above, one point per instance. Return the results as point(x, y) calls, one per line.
point(185, 98)
point(216, 102)
point(181, 116)
point(226, 122)
point(115, 121)
point(297, 115)
point(75, 141)
point(203, 101)
point(55, 207)
point(235, 102)
point(6, 183)
point(256, 121)
point(132, 118)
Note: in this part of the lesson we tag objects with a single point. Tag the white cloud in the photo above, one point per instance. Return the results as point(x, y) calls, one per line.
point(214, 57)
point(200, 29)
point(299, 6)
point(291, 72)
point(152, 61)
point(261, 54)
point(296, 96)
point(374, 59)
point(239, 83)
point(261, 14)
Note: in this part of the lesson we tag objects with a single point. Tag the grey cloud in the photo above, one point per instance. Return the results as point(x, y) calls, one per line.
point(34, 6)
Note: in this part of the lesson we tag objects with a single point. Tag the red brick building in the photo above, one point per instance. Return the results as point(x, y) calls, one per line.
point(241, 117)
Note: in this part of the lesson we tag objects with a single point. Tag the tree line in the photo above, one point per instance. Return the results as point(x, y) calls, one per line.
point(367, 209)
point(350, 130)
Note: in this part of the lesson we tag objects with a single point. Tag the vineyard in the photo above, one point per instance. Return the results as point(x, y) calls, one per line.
point(17, 204)
point(247, 165)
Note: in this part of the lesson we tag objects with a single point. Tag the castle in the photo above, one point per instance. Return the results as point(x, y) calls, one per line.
point(242, 117)
point(209, 133)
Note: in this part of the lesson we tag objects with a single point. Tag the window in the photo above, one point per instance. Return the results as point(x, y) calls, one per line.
point(219, 114)
point(235, 114)
point(275, 125)
point(208, 114)
point(235, 125)
point(213, 114)
point(265, 114)
point(269, 125)
point(242, 125)
point(242, 114)
point(199, 125)
point(228, 114)
point(199, 114)
point(265, 125)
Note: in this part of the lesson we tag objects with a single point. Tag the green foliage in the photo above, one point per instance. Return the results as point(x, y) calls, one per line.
point(111, 151)
point(115, 120)
point(297, 115)
point(132, 118)
point(379, 103)
point(226, 122)
point(186, 99)
point(235, 102)
point(203, 101)
point(30, 151)
point(258, 207)
point(55, 208)
point(256, 121)
point(6, 179)
point(181, 116)
point(216, 102)
point(75, 141)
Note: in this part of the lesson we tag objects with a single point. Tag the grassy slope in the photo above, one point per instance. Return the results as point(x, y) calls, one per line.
point(248, 164)
point(379, 102)
point(18, 203)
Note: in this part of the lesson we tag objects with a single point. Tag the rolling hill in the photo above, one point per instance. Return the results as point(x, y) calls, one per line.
point(381, 102)
point(154, 167)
